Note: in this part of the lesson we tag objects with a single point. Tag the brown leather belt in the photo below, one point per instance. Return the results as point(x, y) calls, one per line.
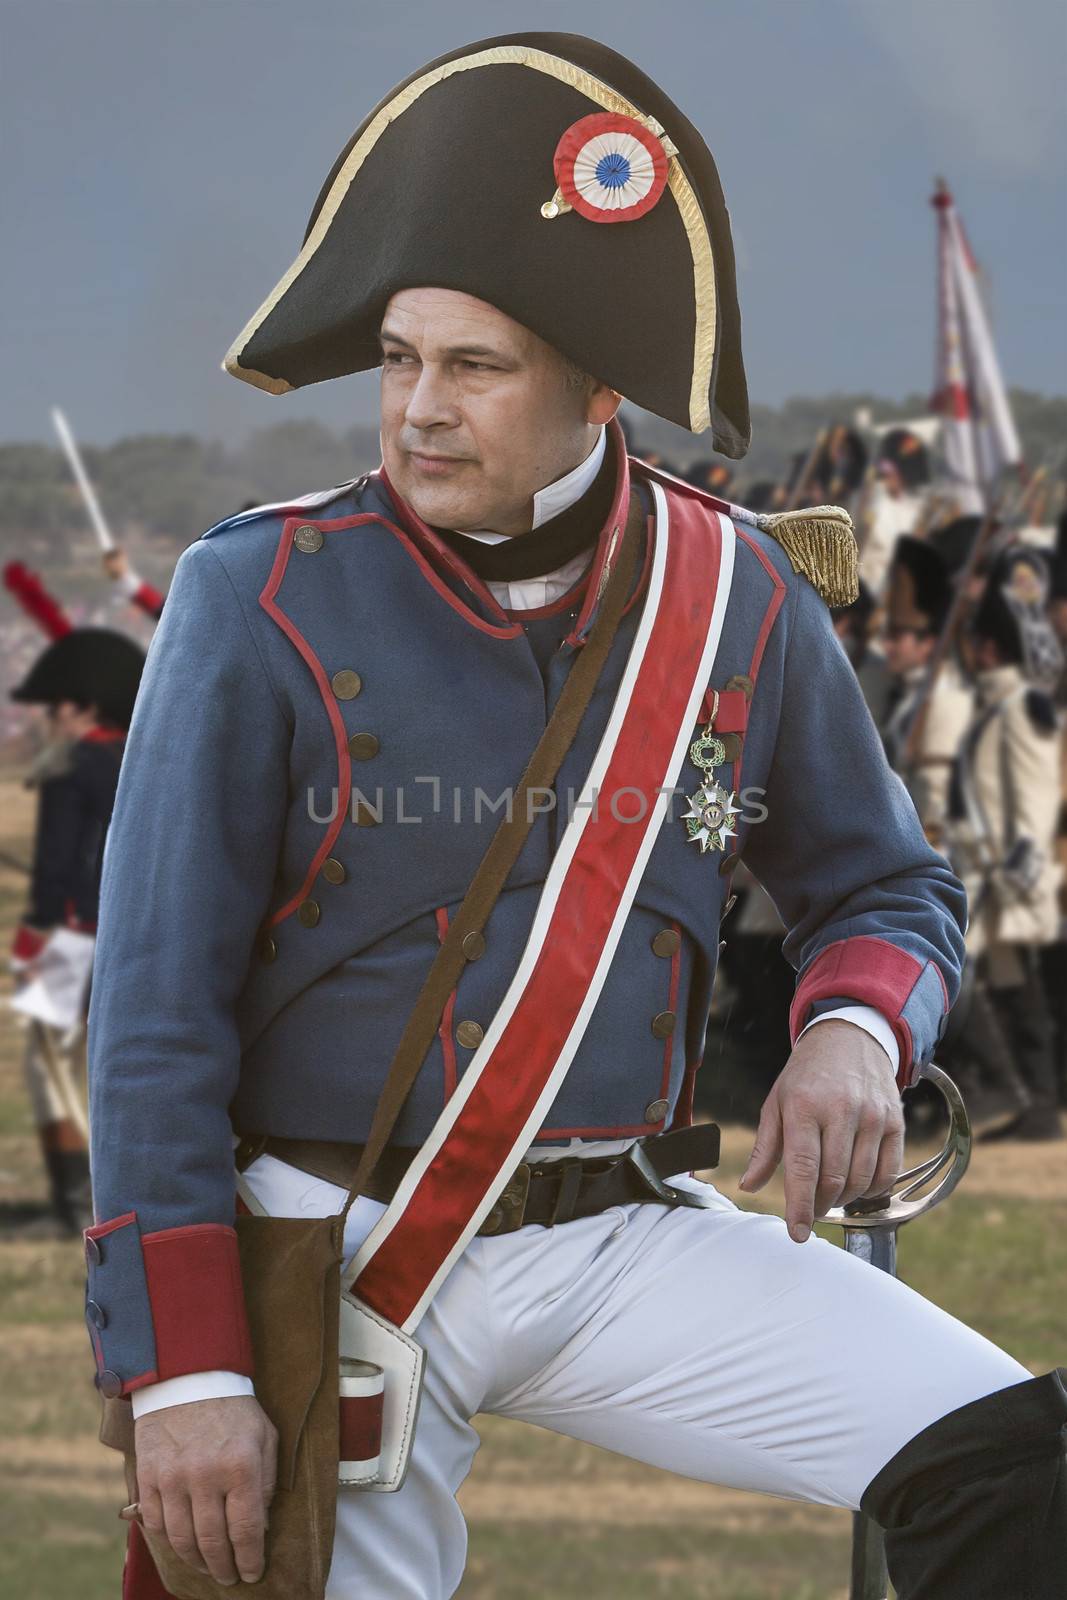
point(541, 1193)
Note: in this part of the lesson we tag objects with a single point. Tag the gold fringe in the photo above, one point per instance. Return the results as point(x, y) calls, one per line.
point(821, 545)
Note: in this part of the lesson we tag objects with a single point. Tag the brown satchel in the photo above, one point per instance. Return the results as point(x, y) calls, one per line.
point(291, 1267)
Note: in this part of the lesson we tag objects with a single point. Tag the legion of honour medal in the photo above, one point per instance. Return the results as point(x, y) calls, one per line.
point(709, 820)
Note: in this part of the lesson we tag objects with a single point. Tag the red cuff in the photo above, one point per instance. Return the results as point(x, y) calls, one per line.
point(871, 972)
point(148, 598)
point(197, 1300)
point(27, 943)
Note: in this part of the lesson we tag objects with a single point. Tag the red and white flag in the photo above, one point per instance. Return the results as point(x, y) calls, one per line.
point(978, 430)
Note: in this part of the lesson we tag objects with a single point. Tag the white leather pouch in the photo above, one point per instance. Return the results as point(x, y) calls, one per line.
point(393, 1383)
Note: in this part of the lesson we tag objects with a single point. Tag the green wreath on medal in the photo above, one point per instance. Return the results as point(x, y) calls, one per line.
point(709, 820)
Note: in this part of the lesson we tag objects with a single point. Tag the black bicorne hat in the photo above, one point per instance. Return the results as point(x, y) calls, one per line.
point(550, 177)
point(90, 666)
point(905, 451)
point(920, 590)
point(954, 542)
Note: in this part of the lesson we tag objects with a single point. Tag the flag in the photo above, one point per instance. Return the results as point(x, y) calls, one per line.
point(978, 430)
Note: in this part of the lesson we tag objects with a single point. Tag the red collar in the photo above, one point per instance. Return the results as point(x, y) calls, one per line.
point(451, 562)
point(102, 736)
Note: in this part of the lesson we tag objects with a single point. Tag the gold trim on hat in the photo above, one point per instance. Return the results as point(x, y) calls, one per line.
point(593, 89)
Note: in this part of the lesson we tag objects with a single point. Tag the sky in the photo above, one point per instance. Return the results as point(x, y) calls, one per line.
point(159, 158)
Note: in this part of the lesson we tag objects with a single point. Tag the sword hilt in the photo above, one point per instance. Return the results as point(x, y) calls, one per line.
point(902, 1203)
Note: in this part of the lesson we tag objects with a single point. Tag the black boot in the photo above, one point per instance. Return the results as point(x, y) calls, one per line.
point(72, 1201)
point(975, 1506)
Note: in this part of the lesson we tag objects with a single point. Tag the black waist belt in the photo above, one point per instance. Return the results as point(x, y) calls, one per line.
point(544, 1192)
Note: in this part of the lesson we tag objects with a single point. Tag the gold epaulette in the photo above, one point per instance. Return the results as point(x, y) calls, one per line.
point(821, 545)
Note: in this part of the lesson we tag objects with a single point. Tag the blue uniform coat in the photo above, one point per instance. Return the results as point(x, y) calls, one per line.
point(270, 907)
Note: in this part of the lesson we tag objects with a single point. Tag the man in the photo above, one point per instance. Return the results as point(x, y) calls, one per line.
point(87, 680)
point(1010, 799)
point(920, 594)
point(518, 215)
point(975, 1049)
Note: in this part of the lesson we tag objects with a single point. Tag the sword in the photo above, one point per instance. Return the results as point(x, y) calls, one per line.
point(871, 1234)
point(81, 478)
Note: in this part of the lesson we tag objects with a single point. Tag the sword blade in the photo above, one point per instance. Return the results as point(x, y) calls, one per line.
point(81, 478)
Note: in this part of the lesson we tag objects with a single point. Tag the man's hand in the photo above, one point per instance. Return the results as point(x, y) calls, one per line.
point(205, 1477)
point(835, 1121)
point(116, 563)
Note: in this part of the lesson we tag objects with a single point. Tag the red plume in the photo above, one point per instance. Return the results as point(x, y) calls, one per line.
point(35, 600)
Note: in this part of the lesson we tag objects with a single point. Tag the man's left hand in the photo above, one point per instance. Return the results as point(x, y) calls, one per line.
point(835, 1122)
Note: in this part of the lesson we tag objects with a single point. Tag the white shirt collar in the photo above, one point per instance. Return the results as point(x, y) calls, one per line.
point(556, 497)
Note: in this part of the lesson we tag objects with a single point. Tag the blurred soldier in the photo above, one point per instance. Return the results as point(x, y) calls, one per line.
point(852, 624)
point(88, 680)
point(975, 1049)
point(901, 473)
point(920, 594)
point(1010, 793)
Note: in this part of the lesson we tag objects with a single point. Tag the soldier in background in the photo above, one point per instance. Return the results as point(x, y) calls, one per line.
point(87, 680)
point(892, 504)
point(1009, 796)
point(975, 1049)
point(920, 594)
point(853, 624)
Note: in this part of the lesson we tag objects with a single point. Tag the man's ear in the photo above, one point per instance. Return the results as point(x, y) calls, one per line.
point(602, 404)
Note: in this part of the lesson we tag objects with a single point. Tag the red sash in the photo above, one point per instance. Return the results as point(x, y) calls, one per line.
point(502, 1099)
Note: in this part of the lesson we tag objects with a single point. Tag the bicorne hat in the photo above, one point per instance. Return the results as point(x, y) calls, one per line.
point(906, 453)
point(550, 177)
point(920, 590)
point(89, 666)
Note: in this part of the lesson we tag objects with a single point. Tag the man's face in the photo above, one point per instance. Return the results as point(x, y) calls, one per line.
point(907, 648)
point(478, 413)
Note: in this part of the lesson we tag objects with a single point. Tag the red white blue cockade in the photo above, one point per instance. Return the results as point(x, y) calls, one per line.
point(611, 168)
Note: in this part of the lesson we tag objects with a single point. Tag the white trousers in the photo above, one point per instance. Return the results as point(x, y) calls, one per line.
point(703, 1341)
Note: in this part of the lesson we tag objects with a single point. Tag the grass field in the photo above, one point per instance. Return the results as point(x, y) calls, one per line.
point(548, 1517)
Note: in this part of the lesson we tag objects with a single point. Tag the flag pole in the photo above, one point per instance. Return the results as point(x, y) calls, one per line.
point(81, 478)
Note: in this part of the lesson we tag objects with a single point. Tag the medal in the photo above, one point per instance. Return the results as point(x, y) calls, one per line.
point(709, 820)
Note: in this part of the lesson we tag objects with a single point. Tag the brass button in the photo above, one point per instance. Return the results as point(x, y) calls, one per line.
point(268, 950)
point(727, 865)
point(308, 538)
point(109, 1384)
point(346, 684)
point(741, 681)
point(727, 908)
point(96, 1314)
point(93, 1253)
point(656, 1110)
point(470, 1035)
point(363, 746)
point(663, 1025)
point(309, 912)
point(666, 942)
point(473, 946)
point(333, 870)
point(366, 816)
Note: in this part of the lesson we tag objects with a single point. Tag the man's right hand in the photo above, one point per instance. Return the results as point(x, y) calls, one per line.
point(205, 1479)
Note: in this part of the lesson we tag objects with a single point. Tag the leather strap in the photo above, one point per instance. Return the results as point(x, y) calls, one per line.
point(552, 1191)
point(504, 848)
